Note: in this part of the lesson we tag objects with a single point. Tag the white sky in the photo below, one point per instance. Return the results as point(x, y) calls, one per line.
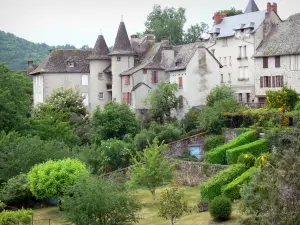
point(78, 22)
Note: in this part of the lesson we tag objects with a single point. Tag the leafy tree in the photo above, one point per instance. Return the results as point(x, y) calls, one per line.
point(285, 98)
point(162, 101)
point(97, 201)
point(152, 169)
point(19, 153)
point(167, 22)
point(273, 194)
point(172, 204)
point(111, 155)
point(219, 93)
point(50, 178)
point(16, 191)
point(188, 122)
point(114, 121)
point(15, 99)
point(231, 12)
point(22, 216)
point(2, 206)
point(195, 32)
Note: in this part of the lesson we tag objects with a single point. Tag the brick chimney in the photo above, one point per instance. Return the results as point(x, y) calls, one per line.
point(30, 64)
point(271, 7)
point(218, 17)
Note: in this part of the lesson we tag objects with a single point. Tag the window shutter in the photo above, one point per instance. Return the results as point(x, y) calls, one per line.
point(261, 82)
point(277, 61)
point(269, 81)
point(180, 82)
point(274, 83)
point(265, 62)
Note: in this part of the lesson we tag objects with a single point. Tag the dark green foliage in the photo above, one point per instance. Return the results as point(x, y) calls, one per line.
point(255, 148)
point(194, 32)
point(220, 208)
point(21, 216)
point(16, 191)
point(239, 131)
point(219, 93)
point(213, 186)
point(285, 98)
point(213, 141)
point(218, 155)
point(17, 51)
point(281, 137)
point(114, 121)
point(247, 159)
point(232, 190)
point(297, 106)
point(15, 99)
point(210, 120)
point(189, 121)
point(19, 153)
point(111, 155)
point(231, 12)
point(142, 139)
point(97, 201)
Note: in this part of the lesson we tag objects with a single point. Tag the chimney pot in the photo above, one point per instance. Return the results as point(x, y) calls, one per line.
point(30, 64)
point(274, 7)
point(269, 7)
point(218, 17)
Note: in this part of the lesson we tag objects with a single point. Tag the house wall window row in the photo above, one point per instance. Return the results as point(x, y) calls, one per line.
point(271, 81)
point(295, 62)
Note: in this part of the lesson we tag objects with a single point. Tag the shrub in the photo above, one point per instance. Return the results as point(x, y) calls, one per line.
point(284, 98)
point(239, 131)
point(2, 206)
point(220, 208)
point(188, 122)
point(213, 141)
point(261, 161)
point(219, 93)
point(255, 148)
point(16, 217)
point(213, 186)
point(247, 159)
point(232, 190)
point(218, 155)
point(210, 120)
point(281, 137)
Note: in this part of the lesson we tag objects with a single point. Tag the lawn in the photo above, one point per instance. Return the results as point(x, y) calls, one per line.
point(148, 213)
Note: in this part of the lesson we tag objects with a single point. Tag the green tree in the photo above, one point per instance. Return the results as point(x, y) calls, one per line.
point(172, 204)
point(15, 99)
point(162, 101)
point(231, 12)
point(114, 121)
point(50, 178)
point(188, 122)
point(285, 98)
point(167, 22)
point(22, 216)
point(219, 93)
point(195, 32)
point(152, 169)
point(96, 201)
point(19, 153)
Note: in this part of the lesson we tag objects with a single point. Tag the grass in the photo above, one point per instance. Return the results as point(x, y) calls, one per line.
point(148, 214)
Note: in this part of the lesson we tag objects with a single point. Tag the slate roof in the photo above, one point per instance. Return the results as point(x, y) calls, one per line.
point(251, 7)
point(229, 24)
point(284, 39)
point(57, 62)
point(122, 44)
point(100, 50)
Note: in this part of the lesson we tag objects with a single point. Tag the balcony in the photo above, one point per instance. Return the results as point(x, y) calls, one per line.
point(243, 79)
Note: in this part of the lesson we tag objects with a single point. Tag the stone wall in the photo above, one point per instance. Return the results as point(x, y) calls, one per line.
point(193, 173)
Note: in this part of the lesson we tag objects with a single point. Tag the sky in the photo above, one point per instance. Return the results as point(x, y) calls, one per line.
point(79, 22)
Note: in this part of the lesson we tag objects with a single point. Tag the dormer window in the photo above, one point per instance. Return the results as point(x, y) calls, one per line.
point(118, 59)
point(70, 64)
point(242, 30)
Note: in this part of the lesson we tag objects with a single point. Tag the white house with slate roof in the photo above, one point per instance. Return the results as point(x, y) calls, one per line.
point(233, 41)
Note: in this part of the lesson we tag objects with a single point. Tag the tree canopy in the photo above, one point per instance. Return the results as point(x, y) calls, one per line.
point(231, 12)
point(194, 32)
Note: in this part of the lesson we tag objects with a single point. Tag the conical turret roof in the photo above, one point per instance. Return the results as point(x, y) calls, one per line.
point(122, 44)
point(100, 50)
point(251, 7)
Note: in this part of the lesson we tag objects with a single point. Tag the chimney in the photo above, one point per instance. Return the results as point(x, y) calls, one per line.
point(134, 38)
point(30, 64)
point(274, 7)
point(164, 41)
point(168, 56)
point(218, 17)
point(269, 7)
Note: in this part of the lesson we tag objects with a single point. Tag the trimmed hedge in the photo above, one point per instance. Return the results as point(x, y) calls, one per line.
point(213, 186)
point(255, 148)
point(213, 141)
point(218, 155)
point(232, 190)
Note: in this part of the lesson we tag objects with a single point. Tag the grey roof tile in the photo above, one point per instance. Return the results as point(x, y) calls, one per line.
point(251, 7)
point(100, 50)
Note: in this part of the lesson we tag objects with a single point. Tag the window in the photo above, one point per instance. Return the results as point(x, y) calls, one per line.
point(262, 99)
point(295, 62)
point(100, 76)
point(242, 30)
point(70, 64)
point(127, 80)
point(240, 97)
point(225, 61)
point(213, 51)
point(277, 81)
point(154, 77)
point(277, 61)
point(85, 97)
point(240, 51)
point(222, 79)
point(243, 70)
point(245, 51)
point(265, 81)
point(180, 84)
point(108, 86)
point(229, 78)
point(248, 97)
point(144, 71)
point(127, 97)
point(265, 62)
point(118, 59)
point(230, 61)
point(84, 80)
point(101, 95)
point(224, 42)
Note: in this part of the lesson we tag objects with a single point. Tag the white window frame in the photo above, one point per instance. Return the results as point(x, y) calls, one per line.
point(295, 62)
point(245, 51)
point(84, 80)
point(100, 76)
point(101, 95)
point(225, 42)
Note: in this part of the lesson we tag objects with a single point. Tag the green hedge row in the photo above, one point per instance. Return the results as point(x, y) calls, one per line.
point(232, 190)
point(213, 141)
point(218, 155)
point(254, 148)
point(213, 186)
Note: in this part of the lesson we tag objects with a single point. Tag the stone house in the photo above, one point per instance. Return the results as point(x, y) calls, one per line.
point(233, 41)
point(277, 59)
